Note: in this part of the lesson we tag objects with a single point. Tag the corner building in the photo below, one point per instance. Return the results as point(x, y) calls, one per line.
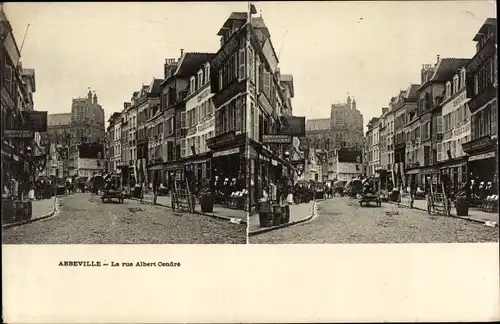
point(245, 81)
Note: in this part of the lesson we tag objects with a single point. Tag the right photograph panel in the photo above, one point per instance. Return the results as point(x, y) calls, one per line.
point(421, 167)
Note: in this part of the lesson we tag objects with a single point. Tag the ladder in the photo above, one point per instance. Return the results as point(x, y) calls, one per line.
point(182, 199)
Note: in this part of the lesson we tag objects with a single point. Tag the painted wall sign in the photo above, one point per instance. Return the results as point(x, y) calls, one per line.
point(229, 48)
point(207, 124)
point(203, 95)
point(226, 152)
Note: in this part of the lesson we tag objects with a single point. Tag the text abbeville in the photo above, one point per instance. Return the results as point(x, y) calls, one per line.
point(79, 263)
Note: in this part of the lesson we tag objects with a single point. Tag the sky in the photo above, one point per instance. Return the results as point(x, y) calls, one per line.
point(370, 50)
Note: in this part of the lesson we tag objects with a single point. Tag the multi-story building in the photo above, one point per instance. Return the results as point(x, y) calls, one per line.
point(482, 86)
point(383, 144)
point(430, 96)
point(174, 91)
point(126, 164)
point(113, 144)
point(150, 116)
point(200, 123)
point(373, 137)
point(344, 128)
point(89, 159)
point(19, 139)
point(347, 164)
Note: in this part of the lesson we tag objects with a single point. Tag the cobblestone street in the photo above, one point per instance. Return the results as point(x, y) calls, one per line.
point(84, 219)
point(342, 220)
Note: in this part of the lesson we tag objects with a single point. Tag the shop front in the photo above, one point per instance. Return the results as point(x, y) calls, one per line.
point(456, 169)
point(482, 162)
point(156, 171)
point(201, 167)
point(229, 172)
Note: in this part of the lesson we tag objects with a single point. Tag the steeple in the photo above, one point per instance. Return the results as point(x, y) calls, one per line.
point(95, 98)
point(89, 95)
point(353, 103)
point(348, 101)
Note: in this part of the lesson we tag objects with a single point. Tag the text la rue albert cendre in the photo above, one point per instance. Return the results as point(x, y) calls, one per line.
point(118, 264)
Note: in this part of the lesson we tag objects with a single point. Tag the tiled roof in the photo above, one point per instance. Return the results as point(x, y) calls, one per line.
point(258, 22)
point(317, 124)
point(191, 62)
point(446, 68)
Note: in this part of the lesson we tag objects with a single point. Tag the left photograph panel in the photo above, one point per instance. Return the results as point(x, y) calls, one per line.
point(92, 156)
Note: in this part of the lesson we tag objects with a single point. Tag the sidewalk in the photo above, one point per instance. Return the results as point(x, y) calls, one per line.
point(218, 211)
point(474, 213)
point(297, 213)
point(41, 209)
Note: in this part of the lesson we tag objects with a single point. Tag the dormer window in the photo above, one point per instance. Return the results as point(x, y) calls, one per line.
point(192, 84)
point(200, 79)
point(456, 84)
point(448, 89)
point(207, 73)
point(462, 79)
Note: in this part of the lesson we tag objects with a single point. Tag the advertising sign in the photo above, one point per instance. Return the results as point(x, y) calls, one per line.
point(19, 134)
point(293, 126)
point(276, 139)
point(349, 156)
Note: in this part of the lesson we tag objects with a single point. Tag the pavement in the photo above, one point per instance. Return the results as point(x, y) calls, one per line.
point(341, 220)
point(84, 219)
point(41, 209)
point(298, 212)
point(218, 212)
point(474, 213)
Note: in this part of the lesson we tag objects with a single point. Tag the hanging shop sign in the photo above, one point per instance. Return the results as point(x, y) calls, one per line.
point(276, 139)
point(293, 126)
point(226, 51)
point(226, 152)
point(19, 134)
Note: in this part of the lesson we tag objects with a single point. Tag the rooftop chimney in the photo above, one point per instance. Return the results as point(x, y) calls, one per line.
point(126, 105)
point(385, 110)
point(437, 58)
point(182, 52)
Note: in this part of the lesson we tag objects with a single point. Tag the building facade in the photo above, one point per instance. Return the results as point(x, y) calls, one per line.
point(482, 84)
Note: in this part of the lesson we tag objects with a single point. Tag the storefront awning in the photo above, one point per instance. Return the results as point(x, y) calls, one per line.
point(155, 167)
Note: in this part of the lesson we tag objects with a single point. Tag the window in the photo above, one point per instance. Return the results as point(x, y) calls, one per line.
point(183, 120)
point(267, 85)
point(241, 62)
point(9, 77)
point(192, 85)
point(439, 124)
point(183, 147)
point(448, 89)
point(200, 80)
point(207, 73)
point(439, 151)
point(456, 84)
